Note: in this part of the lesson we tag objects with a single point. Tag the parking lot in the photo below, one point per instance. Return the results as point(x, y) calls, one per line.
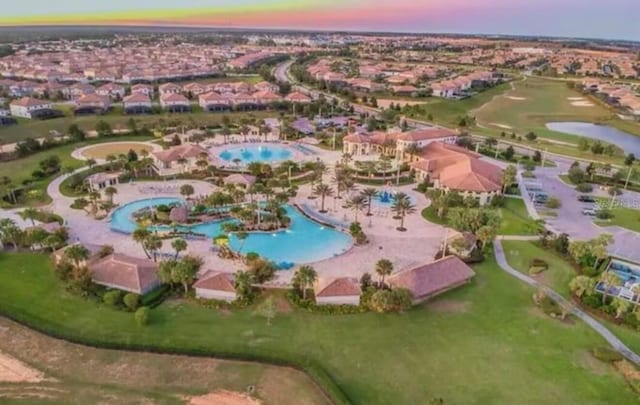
point(570, 218)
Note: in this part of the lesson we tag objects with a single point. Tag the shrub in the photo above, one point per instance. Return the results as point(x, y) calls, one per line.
point(553, 203)
point(592, 301)
point(606, 354)
point(550, 307)
point(604, 214)
point(131, 301)
point(142, 316)
point(112, 298)
point(584, 188)
point(399, 299)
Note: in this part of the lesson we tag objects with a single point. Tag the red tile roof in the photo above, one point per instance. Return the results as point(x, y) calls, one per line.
point(337, 287)
point(216, 280)
point(433, 278)
point(124, 272)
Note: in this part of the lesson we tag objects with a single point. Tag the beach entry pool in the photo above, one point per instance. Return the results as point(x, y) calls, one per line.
point(305, 240)
point(256, 153)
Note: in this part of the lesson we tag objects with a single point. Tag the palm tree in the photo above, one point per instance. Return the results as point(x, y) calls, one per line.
point(77, 254)
point(402, 206)
point(508, 177)
point(323, 190)
point(30, 214)
point(242, 237)
point(9, 232)
point(179, 245)
point(187, 190)
point(109, 192)
point(305, 277)
point(140, 236)
point(609, 279)
point(153, 244)
point(369, 193)
point(243, 284)
point(384, 267)
point(356, 203)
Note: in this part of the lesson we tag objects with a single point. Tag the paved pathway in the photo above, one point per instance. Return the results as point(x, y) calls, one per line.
point(588, 319)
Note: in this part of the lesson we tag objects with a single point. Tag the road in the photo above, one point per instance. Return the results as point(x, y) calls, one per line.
point(616, 343)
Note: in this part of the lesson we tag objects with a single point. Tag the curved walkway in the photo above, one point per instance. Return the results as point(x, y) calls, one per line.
point(616, 343)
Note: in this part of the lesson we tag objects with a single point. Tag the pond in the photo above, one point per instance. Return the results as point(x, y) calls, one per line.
point(628, 142)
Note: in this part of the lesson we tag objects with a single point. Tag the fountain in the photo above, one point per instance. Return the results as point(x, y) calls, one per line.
point(385, 197)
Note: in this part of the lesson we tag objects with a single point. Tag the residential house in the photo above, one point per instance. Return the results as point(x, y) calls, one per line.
point(178, 159)
point(137, 104)
point(213, 101)
point(169, 88)
point(112, 90)
point(175, 102)
point(92, 104)
point(297, 98)
point(145, 89)
point(30, 108)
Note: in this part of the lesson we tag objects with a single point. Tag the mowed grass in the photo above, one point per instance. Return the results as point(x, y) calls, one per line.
point(623, 217)
point(101, 151)
point(21, 169)
point(88, 375)
point(543, 101)
point(481, 344)
point(514, 217)
point(117, 120)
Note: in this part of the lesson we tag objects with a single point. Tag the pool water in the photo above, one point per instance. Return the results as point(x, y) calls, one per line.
point(385, 199)
point(305, 241)
point(256, 153)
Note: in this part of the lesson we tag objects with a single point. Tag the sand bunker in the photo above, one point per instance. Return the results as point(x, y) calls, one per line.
point(223, 398)
point(575, 98)
point(516, 98)
point(15, 371)
point(582, 104)
point(503, 126)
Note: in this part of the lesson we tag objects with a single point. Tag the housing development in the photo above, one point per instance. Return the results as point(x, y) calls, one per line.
point(342, 217)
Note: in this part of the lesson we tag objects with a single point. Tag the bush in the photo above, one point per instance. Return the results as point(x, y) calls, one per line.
point(550, 307)
point(131, 301)
point(399, 299)
point(606, 354)
point(604, 214)
point(553, 203)
point(295, 299)
point(592, 301)
point(584, 188)
point(142, 316)
point(112, 298)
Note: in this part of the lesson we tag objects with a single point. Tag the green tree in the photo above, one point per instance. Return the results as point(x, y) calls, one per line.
point(356, 203)
point(187, 190)
point(609, 279)
point(267, 309)
point(140, 236)
point(369, 193)
point(179, 245)
point(305, 277)
point(323, 191)
point(243, 284)
point(508, 177)
point(131, 301)
point(77, 254)
point(142, 316)
point(30, 214)
point(384, 268)
point(402, 206)
point(582, 285)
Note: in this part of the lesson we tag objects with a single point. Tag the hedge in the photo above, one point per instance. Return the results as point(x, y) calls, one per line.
point(606, 354)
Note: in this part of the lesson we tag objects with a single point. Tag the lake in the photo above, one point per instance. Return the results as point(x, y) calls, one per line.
point(625, 141)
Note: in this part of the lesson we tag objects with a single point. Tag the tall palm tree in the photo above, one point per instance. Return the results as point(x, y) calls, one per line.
point(9, 232)
point(369, 193)
point(30, 214)
point(356, 203)
point(402, 206)
point(384, 267)
point(306, 276)
point(140, 236)
point(179, 245)
point(109, 192)
point(243, 284)
point(77, 254)
point(609, 279)
point(153, 244)
point(323, 191)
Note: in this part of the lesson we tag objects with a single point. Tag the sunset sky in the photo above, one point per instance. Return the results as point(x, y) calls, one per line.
point(616, 19)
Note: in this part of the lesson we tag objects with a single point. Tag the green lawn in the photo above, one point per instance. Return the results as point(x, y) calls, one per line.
point(20, 170)
point(484, 343)
point(557, 277)
point(628, 218)
point(546, 101)
point(37, 129)
point(515, 218)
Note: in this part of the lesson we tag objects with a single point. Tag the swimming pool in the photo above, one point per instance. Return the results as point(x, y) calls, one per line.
point(256, 153)
point(305, 241)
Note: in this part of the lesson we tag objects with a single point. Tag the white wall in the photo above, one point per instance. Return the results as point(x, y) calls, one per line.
point(215, 295)
point(347, 299)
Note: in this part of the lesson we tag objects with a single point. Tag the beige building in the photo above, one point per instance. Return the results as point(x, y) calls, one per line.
point(215, 285)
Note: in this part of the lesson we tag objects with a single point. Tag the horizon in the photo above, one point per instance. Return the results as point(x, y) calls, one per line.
point(546, 18)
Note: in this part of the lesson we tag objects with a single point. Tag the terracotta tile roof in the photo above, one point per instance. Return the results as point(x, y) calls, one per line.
point(357, 138)
point(29, 102)
point(174, 97)
point(424, 134)
point(125, 272)
point(181, 151)
point(337, 287)
point(137, 98)
point(215, 280)
point(240, 178)
point(433, 278)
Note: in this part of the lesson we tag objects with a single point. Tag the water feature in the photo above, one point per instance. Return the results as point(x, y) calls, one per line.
point(256, 153)
point(628, 142)
point(386, 199)
point(304, 241)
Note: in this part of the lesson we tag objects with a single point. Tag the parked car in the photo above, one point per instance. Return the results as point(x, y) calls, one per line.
point(590, 212)
point(586, 199)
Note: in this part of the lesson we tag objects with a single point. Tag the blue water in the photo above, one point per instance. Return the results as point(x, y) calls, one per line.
point(385, 199)
point(304, 241)
point(255, 153)
point(627, 142)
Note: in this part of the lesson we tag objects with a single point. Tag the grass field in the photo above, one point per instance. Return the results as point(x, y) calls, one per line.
point(20, 170)
point(86, 375)
point(557, 277)
point(101, 151)
point(38, 129)
point(623, 217)
point(483, 343)
point(515, 218)
point(535, 101)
